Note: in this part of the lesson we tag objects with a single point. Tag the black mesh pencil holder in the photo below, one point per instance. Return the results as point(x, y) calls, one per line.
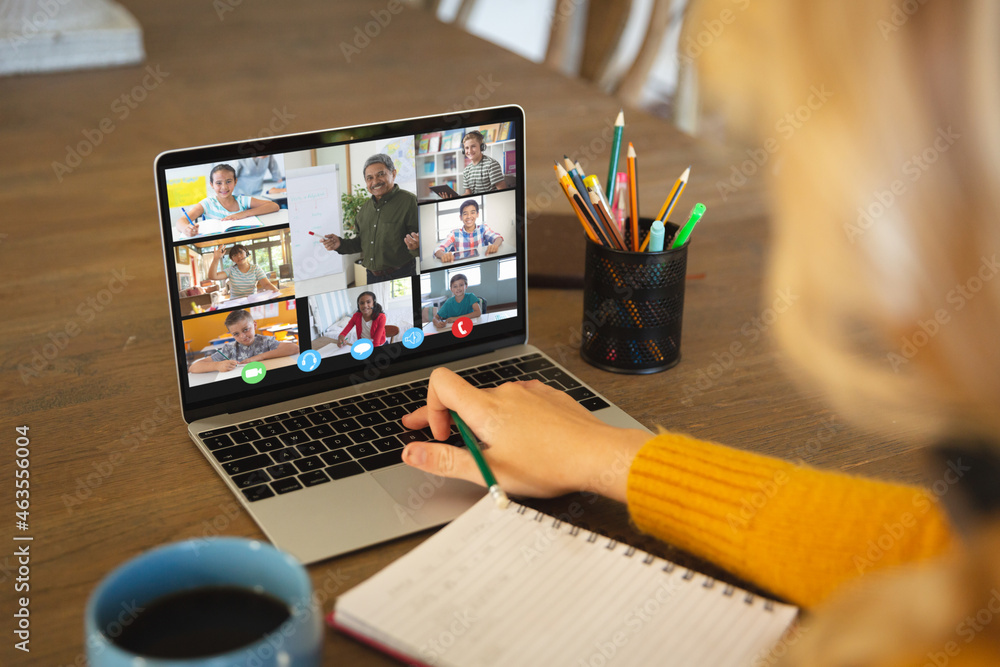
point(633, 304)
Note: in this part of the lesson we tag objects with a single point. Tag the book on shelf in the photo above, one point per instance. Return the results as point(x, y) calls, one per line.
point(449, 162)
point(510, 162)
point(429, 167)
point(423, 144)
point(452, 140)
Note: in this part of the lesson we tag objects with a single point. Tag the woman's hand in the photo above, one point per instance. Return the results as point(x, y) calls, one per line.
point(341, 341)
point(538, 440)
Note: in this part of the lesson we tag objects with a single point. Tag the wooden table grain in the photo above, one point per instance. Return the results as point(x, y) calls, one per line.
point(86, 352)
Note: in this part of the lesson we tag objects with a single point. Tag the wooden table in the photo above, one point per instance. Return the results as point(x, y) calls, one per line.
point(87, 361)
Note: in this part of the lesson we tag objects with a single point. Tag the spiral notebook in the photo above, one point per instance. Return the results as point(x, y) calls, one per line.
point(519, 587)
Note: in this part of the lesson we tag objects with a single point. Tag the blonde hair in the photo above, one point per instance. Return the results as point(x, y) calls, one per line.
point(885, 201)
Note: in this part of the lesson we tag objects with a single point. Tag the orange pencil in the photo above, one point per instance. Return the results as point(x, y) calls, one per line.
point(569, 190)
point(633, 198)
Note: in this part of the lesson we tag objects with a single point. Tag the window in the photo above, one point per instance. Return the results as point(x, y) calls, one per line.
point(472, 274)
point(507, 269)
point(425, 284)
point(400, 288)
point(267, 253)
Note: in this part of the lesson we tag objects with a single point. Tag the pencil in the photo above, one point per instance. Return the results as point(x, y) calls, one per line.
point(499, 497)
point(605, 219)
point(674, 195)
point(616, 148)
point(603, 237)
point(569, 190)
point(593, 183)
point(633, 197)
point(575, 172)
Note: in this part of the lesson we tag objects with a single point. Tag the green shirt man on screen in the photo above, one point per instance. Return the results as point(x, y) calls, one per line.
point(387, 225)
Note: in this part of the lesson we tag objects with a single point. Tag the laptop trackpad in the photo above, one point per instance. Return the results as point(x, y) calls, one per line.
point(428, 499)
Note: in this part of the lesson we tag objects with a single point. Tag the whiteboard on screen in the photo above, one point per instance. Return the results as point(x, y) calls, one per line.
point(314, 206)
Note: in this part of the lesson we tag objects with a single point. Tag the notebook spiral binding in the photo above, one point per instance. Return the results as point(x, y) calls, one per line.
point(647, 558)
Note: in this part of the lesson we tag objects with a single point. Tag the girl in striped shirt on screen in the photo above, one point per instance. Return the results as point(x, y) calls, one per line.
point(244, 278)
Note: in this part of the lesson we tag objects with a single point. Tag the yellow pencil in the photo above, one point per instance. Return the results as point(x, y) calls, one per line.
point(570, 190)
point(674, 195)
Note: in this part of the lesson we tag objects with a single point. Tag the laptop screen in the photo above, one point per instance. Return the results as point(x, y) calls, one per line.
point(317, 261)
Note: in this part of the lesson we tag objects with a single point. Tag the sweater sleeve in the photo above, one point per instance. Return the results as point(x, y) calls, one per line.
point(353, 323)
point(796, 531)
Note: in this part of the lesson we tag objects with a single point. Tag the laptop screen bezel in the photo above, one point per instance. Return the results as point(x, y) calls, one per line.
point(513, 332)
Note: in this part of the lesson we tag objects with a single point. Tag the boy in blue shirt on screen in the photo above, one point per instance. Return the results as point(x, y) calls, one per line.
point(461, 304)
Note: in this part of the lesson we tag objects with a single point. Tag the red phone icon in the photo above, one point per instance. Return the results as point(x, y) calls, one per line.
point(462, 327)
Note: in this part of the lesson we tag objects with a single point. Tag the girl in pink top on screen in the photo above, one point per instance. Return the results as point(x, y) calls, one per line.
point(368, 322)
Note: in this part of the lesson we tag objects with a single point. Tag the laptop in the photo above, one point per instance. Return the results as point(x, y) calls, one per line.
point(296, 361)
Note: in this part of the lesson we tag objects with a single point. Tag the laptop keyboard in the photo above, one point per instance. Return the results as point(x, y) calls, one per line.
point(330, 441)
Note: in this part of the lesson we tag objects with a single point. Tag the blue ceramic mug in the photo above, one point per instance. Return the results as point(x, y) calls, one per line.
point(249, 568)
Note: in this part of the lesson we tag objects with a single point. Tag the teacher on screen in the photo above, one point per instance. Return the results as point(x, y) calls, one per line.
point(388, 238)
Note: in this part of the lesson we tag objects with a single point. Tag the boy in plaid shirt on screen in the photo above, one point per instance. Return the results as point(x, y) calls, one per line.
point(464, 242)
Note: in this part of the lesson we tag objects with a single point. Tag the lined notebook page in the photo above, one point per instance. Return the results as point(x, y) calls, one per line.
point(517, 587)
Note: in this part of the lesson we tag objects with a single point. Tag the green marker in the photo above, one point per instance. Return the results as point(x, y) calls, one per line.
point(499, 497)
point(682, 236)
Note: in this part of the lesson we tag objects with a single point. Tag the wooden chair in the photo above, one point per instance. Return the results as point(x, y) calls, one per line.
point(602, 31)
point(391, 332)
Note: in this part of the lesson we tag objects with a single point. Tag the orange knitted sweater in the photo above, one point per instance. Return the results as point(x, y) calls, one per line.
point(793, 530)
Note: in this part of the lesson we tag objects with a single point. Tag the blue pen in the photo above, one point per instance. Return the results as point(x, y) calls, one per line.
point(656, 233)
point(187, 216)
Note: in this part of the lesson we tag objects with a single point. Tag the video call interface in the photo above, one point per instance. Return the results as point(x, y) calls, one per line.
point(317, 261)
